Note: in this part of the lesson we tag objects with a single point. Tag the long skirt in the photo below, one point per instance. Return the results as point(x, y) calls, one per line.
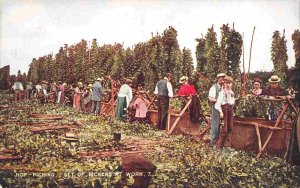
point(120, 111)
point(76, 102)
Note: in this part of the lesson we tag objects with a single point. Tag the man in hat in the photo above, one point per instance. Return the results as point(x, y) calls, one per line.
point(274, 89)
point(124, 98)
point(28, 90)
point(215, 115)
point(164, 91)
point(97, 93)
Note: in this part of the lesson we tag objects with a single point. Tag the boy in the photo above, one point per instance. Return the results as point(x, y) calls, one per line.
point(224, 105)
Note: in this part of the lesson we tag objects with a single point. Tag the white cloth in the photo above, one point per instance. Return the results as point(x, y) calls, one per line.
point(212, 91)
point(225, 97)
point(58, 97)
point(126, 91)
point(169, 87)
point(18, 85)
point(38, 88)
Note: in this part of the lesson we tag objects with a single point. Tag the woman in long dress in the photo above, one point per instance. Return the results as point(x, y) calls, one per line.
point(124, 98)
point(77, 96)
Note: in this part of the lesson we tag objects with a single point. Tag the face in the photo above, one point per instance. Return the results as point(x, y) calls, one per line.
point(228, 85)
point(256, 85)
point(274, 85)
point(221, 80)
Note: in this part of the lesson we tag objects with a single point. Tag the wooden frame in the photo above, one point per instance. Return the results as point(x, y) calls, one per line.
point(279, 119)
point(170, 129)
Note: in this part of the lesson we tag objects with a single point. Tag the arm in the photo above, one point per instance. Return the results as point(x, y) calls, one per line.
point(156, 90)
point(170, 89)
point(212, 94)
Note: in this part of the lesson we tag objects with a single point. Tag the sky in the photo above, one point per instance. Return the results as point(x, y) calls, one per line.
point(31, 29)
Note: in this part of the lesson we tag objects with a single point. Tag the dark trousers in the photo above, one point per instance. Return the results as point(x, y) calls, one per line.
point(163, 107)
point(18, 95)
point(228, 123)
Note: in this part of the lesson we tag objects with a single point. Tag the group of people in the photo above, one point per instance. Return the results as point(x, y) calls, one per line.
point(220, 96)
point(222, 101)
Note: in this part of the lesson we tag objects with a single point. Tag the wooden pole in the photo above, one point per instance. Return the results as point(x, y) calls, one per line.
point(258, 137)
point(250, 51)
point(244, 71)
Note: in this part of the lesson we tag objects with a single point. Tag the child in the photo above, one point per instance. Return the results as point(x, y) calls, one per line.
point(224, 105)
point(140, 105)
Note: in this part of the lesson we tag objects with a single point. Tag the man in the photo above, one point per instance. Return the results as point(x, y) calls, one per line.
point(164, 91)
point(274, 90)
point(28, 90)
point(215, 115)
point(18, 88)
point(97, 93)
point(124, 98)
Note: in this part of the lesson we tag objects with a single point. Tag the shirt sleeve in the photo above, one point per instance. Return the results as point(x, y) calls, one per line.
point(156, 90)
point(219, 101)
point(130, 94)
point(170, 89)
point(101, 90)
point(212, 92)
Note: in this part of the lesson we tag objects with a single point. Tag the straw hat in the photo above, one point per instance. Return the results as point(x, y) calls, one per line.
point(274, 79)
point(183, 79)
point(221, 75)
point(80, 84)
point(99, 79)
point(90, 85)
point(128, 81)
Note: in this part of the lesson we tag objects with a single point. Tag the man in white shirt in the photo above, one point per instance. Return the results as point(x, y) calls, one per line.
point(215, 115)
point(18, 88)
point(164, 91)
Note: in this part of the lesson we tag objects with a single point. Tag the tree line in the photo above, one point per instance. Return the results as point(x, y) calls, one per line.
point(148, 61)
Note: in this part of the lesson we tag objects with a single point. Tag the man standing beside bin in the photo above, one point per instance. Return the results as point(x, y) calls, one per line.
point(97, 93)
point(215, 115)
point(164, 91)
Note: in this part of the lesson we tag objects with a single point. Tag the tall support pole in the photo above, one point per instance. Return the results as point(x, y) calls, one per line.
point(244, 71)
point(250, 52)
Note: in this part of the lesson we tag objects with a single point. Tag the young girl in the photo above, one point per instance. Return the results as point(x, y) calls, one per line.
point(224, 105)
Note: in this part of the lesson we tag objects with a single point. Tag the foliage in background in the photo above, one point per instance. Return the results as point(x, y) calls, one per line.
point(279, 56)
point(296, 47)
point(4, 77)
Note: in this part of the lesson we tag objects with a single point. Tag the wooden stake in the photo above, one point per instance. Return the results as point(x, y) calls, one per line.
point(251, 50)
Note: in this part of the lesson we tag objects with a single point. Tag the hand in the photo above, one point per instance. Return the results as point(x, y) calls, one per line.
point(221, 115)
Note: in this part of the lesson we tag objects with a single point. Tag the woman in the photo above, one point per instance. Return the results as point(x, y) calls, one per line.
point(87, 99)
point(257, 87)
point(77, 96)
point(186, 89)
point(124, 98)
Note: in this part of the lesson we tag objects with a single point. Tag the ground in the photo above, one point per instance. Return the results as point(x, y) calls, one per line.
point(65, 148)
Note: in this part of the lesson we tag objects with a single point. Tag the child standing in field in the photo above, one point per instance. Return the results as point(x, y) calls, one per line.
point(224, 105)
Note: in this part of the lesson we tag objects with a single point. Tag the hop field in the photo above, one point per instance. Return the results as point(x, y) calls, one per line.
point(71, 149)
